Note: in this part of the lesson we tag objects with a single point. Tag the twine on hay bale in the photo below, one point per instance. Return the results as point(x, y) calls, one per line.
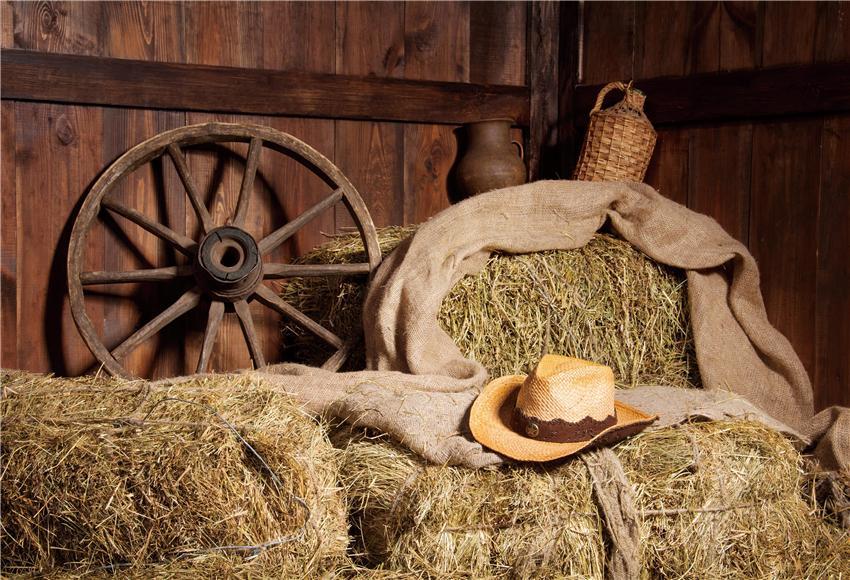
point(714, 499)
point(214, 474)
point(605, 302)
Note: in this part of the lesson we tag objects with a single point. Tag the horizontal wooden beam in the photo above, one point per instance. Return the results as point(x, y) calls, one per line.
point(749, 94)
point(64, 78)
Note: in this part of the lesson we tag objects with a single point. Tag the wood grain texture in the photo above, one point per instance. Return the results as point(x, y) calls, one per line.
point(436, 48)
point(57, 157)
point(143, 30)
point(832, 32)
point(670, 164)
point(371, 154)
point(7, 24)
point(542, 155)
point(497, 32)
point(223, 34)
point(783, 227)
point(61, 27)
point(789, 33)
point(739, 35)
point(719, 175)
point(832, 310)
point(8, 239)
point(676, 38)
point(298, 36)
point(609, 42)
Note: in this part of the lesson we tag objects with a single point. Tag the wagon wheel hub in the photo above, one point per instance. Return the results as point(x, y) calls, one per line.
point(228, 265)
point(225, 262)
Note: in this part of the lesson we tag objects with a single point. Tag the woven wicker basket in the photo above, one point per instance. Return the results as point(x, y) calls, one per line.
point(619, 139)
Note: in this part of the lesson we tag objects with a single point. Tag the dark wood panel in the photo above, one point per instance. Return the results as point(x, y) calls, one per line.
point(783, 227)
point(832, 34)
point(670, 164)
point(363, 48)
point(676, 38)
point(832, 371)
point(8, 240)
point(719, 175)
point(223, 34)
point(116, 82)
point(497, 33)
point(7, 24)
point(569, 49)
point(609, 36)
point(543, 156)
point(746, 94)
point(57, 157)
point(739, 42)
point(789, 32)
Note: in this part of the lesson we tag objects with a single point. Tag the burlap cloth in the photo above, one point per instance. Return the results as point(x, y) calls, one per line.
point(421, 386)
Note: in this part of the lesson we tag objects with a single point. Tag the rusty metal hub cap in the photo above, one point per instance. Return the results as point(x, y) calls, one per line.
point(228, 263)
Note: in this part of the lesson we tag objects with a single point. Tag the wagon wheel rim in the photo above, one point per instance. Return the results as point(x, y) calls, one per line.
point(226, 261)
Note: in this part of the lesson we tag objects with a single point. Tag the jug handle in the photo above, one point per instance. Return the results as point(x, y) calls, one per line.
point(521, 150)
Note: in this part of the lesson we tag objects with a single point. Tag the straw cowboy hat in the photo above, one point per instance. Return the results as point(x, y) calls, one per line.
point(565, 405)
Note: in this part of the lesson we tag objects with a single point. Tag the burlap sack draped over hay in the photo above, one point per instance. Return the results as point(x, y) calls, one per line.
point(720, 499)
point(217, 475)
point(605, 302)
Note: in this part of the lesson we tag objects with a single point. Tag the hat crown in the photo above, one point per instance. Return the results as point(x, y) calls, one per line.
point(567, 389)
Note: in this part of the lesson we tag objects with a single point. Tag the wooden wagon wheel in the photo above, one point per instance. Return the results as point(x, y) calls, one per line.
point(226, 262)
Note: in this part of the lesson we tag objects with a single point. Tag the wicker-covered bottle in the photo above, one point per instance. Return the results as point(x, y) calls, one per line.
point(619, 140)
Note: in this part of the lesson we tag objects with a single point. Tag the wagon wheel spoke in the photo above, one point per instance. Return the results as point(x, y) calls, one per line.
point(243, 311)
point(166, 274)
point(280, 235)
point(254, 150)
point(191, 189)
point(267, 296)
point(272, 271)
point(184, 304)
point(182, 243)
point(210, 334)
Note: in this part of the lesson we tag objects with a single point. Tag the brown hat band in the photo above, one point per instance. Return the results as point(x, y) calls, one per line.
point(558, 430)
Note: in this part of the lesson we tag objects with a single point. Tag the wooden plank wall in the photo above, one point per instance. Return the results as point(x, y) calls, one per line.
point(782, 185)
point(52, 153)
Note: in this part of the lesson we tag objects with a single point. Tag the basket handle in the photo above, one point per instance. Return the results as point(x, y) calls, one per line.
point(604, 92)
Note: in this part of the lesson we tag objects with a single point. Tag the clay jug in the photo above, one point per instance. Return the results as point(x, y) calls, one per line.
point(492, 160)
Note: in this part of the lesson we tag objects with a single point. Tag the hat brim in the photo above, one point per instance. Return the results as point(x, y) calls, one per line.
point(490, 422)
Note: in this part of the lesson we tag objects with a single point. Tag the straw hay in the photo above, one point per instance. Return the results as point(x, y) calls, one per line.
point(104, 474)
point(605, 302)
point(720, 499)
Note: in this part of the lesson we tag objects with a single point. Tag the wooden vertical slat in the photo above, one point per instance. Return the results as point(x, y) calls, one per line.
point(371, 154)
point(7, 24)
point(832, 32)
point(569, 41)
point(223, 33)
point(783, 226)
point(57, 152)
point(8, 239)
point(789, 32)
point(143, 30)
point(719, 175)
point(497, 42)
point(832, 306)
point(738, 35)
point(542, 149)
point(64, 27)
point(298, 36)
point(676, 38)
point(670, 164)
point(436, 48)
point(609, 36)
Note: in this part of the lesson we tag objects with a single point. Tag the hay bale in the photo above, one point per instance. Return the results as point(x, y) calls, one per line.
point(105, 474)
point(605, 302)
point(719, 499)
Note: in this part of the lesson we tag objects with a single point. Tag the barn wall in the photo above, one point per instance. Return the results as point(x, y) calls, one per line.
point(51, 153)
point(780, 185)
